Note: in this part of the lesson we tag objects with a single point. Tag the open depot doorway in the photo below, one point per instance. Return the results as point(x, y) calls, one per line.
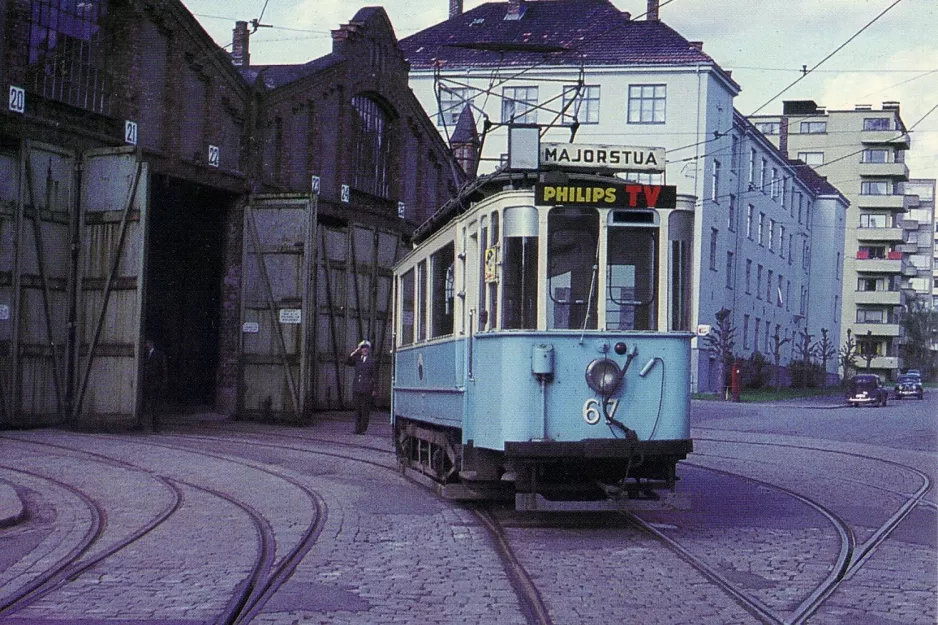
point(185, 256)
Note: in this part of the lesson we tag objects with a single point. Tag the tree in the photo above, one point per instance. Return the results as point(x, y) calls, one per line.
point(867, 349)
point(803, 358)
point(777, 353)
point(721, 341)
point(848, 355)
point(921, 332)
point(825, 350)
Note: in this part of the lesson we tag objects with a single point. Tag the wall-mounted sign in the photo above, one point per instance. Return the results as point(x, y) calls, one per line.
point(17, 99)
point(601, 157)
point(291, 315)
point(346, 195)
point(130, 132)
point(4, 312)
point(214, 156)
point(251, 327)
point(703, 330)
point(401, 210)
point(315, 185)
point(619, 195)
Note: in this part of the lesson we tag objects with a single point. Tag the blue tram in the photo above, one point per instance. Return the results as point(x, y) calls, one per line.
point(542, 344)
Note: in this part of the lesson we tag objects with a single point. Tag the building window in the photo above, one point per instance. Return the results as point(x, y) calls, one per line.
point(761, 230)
point(745, 331)
point(755, 334)
point(759, 282)
point(874, 220)
point(774, 183)
point(748, 274)
point(67, 60)
point(772, 235)
point(731, 214)
point(800, 207)
point(877, 123)
point(752, 167)
point(877, 155)
point(768, 128)
point(837, 267)
point(791, 240)
point(813, 128)
point(371, 150)
point(875, 187)
point(729, 270)
point(647, 104)
point(871, 315)
point(713, 248)
point(762, 175)
point(715, 182)
point(452, 102)
point(781, 241)
point(734, 158)
point(749, 213)
point(778, 292)
point(519, 105)
point(811, 158)
point(582, 108)
point(768, 287)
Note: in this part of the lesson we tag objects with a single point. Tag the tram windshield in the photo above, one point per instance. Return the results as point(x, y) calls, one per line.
point(631, 276)
point(572, 242)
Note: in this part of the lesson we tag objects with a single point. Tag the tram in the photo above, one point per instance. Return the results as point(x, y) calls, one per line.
point(542, 343)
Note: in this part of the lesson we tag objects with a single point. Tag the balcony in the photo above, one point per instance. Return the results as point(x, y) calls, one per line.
point(911, 271)
point(880, 234)
point(880, 362)
point(894, 202)
point(882, 298)
point(885, 170)
point(876, 330)
point(878, 265)
point(885, 137)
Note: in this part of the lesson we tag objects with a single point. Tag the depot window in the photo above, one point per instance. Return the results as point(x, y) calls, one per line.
point(572, 244)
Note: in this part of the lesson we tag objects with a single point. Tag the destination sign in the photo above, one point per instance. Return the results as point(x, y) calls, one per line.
point(602, 157)
point(620, 195)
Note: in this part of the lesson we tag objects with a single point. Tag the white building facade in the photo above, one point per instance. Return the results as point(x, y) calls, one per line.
point(639, 83)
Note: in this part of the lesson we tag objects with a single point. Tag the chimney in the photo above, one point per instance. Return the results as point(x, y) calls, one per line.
point(783, 136)
point(455, 8)
point(240, 42)
point(516, 9)
point(652, 13)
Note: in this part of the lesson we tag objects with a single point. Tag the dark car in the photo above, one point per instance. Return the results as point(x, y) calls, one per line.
point(909, 386)
point(866, 389)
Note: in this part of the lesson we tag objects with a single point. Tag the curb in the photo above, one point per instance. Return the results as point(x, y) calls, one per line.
point(11, 506)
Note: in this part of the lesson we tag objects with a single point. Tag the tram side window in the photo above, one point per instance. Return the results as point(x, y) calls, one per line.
point(519, 290)
point(422, 301)
point(631, 278)
point(483, 249)
point(680, 229)
point(407, 308)
point(572, 237)
point(441, 308)
point(492, 260)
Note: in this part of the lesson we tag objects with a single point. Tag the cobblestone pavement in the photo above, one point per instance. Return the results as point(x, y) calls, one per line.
point(391, 552)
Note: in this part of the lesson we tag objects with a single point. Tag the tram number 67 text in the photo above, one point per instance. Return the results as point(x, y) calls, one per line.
point(592, 411)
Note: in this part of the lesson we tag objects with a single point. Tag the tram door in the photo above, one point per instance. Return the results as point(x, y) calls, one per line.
point(277, 268)
point(109, 289)
point(36, 211)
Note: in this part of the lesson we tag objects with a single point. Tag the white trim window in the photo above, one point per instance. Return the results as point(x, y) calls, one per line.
point(452, 102)
point(811, 158)
point(813, 128)
point(582, 107)
point(647, 104)
point(519, 105)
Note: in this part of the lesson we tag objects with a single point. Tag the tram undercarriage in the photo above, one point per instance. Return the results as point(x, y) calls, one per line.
point(587, 475)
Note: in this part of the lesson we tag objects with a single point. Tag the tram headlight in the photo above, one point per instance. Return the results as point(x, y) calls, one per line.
point(602, 375)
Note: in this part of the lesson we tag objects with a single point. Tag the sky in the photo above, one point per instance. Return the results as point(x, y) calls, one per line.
point(765, 43)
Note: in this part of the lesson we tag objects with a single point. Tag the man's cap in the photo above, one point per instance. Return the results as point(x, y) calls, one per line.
point(364, 344)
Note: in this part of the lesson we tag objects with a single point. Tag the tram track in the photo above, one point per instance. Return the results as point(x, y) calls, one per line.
point(265, 577)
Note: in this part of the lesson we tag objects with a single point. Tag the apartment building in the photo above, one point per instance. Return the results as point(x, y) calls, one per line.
point(920, 240)
point(586, 72)
point(861, 152)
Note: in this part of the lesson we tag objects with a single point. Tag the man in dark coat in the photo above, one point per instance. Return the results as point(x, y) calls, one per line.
point(154, 376)
point(363, 386)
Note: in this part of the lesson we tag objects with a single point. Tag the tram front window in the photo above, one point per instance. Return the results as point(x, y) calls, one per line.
point(572, 236)
point(631, 277)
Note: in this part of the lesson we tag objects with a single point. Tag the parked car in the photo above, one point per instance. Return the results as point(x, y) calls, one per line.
point(914, 372)
point(909, 386)
point(866, 390)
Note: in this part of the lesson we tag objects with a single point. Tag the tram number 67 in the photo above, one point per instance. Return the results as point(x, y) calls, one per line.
point(592, 410)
